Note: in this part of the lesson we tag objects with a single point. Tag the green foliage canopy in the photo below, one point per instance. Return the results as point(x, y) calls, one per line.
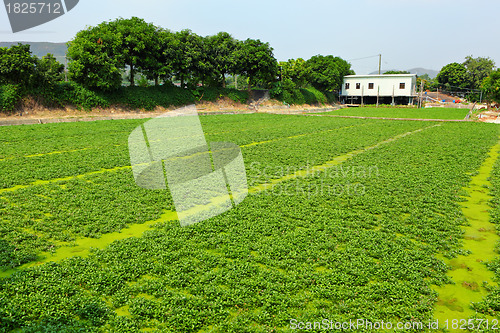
point(327, 72)
point(491, 85)
point(255, 59)
point(17, 65)
point(397, 72)
point(136, 43)
point(99, 54)
point(222, 47)
point(478, 69)
point(92, 60)
point(454, 75)
point(296, 70)
point(50, 70)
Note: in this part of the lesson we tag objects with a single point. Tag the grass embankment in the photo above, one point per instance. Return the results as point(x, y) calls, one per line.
point(70, 94)
point(66, 94)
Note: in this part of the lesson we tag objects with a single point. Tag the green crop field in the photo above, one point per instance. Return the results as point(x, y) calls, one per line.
point(392, 112)
point(361, 219)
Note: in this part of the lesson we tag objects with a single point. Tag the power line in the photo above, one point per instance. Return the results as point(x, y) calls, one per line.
point(445, 85)
point(364, 58)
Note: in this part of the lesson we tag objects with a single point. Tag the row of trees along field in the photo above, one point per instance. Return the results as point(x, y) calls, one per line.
point(475, 78)
point(152, 59)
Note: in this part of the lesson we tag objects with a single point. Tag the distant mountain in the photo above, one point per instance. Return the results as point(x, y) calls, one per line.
point(42, 48)
point(419, 71)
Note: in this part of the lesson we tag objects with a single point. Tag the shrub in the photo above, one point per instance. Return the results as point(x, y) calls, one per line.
point(69, 93)
point(9, 97)
point(313, 96)
point(288, 92)
point(75, 94)
point(240, 96)
point(148, 98)
point(213, 94)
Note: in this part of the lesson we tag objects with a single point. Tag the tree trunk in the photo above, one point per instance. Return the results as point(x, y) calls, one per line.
point(132, 76)
point(249, 88)
point(223, 80)
point(182, 82)
point(157, 81)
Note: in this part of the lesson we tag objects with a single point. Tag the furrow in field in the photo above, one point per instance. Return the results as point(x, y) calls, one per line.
point(299, 135)
point(336, 161)
point(207, 133)
point(469, 273)
point(55, 180)
point(84, 244)
point(50, 153)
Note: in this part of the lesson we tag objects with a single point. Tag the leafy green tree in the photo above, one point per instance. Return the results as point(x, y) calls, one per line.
point(222, 47)
point(92, 58)
point(188, 52)
point(491, 86)
point(255, 60)
point(428, 82)
point(295, 70)
point(327, 72)
point(98, 54)
point(159, 65)
point(454, 75)
point(17, 65)
point(50, 70)
point(478, 69)
point(136, 45)
point(204, 67)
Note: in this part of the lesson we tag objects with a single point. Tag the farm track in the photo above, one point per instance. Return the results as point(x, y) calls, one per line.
point(83, 245)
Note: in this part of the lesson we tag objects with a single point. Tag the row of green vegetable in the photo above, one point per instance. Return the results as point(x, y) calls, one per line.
point(358, 240)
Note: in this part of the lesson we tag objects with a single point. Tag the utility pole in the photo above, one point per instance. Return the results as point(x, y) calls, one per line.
point(421, 93)
point(378, 93)
point(66, 68)
point(379, 63)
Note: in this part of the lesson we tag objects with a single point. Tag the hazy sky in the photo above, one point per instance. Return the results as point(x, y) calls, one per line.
point(408, 33)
